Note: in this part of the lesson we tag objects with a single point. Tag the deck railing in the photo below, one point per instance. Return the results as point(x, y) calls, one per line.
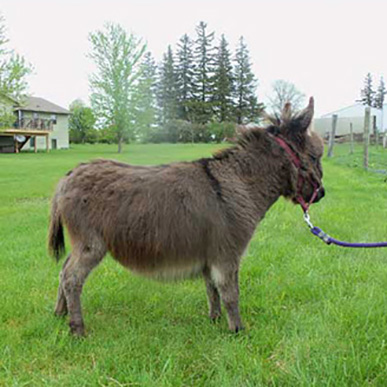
point(35, 123)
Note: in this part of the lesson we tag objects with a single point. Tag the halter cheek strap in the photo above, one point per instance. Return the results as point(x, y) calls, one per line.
point(300, 183)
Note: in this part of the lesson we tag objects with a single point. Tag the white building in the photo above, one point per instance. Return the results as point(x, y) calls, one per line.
point(354, 115)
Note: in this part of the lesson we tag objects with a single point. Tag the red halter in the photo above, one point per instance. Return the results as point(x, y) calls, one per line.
point(297, 163)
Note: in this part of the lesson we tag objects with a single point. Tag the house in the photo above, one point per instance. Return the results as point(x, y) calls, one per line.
point(351, 115)
point(39, 124)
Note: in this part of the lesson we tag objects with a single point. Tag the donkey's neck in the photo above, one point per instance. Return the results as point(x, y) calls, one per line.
point(263, 174)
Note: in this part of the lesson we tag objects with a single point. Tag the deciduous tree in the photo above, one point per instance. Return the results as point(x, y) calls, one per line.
point(14, 69)
point(117, 56)
point(283, 92)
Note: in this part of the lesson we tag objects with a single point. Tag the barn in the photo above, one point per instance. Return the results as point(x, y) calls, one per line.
point(351, 115)
point(39, 124)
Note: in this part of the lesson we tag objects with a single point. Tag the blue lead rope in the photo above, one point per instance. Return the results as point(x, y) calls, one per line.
point(329, 240)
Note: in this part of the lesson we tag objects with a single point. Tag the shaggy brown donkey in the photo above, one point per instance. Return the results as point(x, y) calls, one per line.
point(182, 219)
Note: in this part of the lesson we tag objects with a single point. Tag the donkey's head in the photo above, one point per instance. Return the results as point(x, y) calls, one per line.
point(304, 148)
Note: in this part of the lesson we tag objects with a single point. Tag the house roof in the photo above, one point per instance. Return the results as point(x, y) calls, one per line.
point(36, 104)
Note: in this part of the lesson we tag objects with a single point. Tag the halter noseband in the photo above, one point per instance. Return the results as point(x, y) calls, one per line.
point(297, 163)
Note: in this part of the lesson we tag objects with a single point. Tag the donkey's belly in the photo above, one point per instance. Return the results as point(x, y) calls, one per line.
point(167, 271)
point(171, 273)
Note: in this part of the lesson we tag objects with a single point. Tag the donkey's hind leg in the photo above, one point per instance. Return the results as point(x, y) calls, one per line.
point(84, 258)
point(212, 294)
point(61, 304)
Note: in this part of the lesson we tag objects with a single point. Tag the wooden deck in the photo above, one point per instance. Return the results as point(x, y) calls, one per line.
point(28, 133)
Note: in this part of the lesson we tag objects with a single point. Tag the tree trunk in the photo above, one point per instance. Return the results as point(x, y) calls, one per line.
point(120, 144)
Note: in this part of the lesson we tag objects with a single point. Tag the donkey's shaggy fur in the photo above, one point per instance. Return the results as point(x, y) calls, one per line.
point(181, 219)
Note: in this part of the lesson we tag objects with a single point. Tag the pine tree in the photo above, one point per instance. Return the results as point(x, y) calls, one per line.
point(167, 92)
point(185, 71)
point(247, 107)
point(367, 93)
point(145, 98)
point(204, 60)
point(223, 82)
point(379, 97)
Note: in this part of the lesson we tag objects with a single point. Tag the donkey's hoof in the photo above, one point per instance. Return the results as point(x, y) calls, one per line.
point(77, 330)
point(60, 313)
point(236, 328)
point(215, 317)
point(61, 308)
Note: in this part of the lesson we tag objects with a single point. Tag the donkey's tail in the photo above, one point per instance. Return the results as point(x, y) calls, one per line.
point(56, 242)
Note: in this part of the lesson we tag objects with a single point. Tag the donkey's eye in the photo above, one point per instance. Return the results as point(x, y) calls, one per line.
point(313, 159)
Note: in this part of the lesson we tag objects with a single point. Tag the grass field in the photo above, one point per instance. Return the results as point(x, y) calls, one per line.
point(315, 315)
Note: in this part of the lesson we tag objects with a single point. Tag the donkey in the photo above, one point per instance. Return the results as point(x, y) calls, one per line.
point(183, 219)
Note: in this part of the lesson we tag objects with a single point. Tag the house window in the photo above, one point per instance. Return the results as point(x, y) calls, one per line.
point(54, 143)
point(53, 118)
point(32, 141)
point(35, 116)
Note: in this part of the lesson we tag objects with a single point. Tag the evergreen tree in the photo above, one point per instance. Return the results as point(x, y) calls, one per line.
point(379, 97)
point(223, 83)
point(167, 91)
point(247, 107)
point(185, 71)
point(367, 93)
point(204, 60)
point(145, 97)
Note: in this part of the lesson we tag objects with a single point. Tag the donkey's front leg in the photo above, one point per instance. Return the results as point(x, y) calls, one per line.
point(226, 280)
point(212, 294)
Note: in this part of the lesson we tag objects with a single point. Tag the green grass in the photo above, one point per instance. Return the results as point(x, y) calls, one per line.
point(314, 314)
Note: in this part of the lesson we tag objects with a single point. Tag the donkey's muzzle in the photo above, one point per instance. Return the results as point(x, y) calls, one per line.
point(320, 195)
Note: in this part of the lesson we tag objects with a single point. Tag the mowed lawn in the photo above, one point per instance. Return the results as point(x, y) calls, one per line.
point(314, 314)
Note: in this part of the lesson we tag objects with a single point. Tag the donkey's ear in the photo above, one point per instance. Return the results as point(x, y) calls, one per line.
point(304, 118)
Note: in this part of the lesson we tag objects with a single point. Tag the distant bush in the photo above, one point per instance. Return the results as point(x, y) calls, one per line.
point(89, 136)
point(81, 124)
point(221, 131)
point(107, 136)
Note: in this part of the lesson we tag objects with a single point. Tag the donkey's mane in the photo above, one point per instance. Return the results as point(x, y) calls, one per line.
point(247, 138)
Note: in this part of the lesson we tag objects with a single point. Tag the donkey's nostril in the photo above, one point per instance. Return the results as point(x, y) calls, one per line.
point(321, 193)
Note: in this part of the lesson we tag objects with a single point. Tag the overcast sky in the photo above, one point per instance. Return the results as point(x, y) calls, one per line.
point(325, 47)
